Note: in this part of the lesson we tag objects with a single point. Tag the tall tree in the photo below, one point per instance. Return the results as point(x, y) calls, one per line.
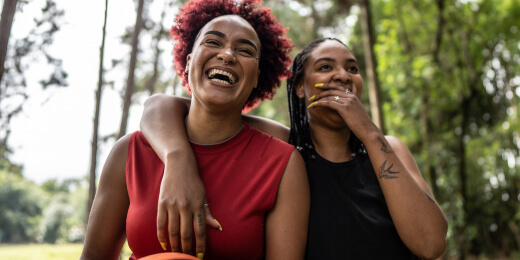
point(6, 22)
point(21, 54)
point(95, 130)
point(454, 80)
point(130, 82)
point(371, 64)
point(161, 31)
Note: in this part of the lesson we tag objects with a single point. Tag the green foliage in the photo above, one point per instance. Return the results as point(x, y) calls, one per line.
point(20, 208)
point(50, 213)
point(455, 102)
point(450, 78)
point(64, 213)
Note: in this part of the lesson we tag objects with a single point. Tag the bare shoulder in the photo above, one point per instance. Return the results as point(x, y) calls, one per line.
point(115, 165)
point(120, 149)
point(165, 98)
point(268, 126)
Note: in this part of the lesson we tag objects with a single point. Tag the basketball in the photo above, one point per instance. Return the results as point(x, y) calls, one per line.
point(169, 255)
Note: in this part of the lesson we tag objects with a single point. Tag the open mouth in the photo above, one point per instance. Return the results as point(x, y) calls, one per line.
point(221, 76)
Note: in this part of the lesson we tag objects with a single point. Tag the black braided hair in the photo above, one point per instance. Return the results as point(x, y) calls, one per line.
point(300, 130)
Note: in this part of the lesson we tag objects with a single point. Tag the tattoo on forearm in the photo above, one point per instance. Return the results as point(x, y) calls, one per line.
point(387, 173)
point(429, 197)
point(384, 147)
point(201, 222)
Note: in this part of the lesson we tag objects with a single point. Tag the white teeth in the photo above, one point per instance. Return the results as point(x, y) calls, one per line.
point(220, 81)
point(213, 72)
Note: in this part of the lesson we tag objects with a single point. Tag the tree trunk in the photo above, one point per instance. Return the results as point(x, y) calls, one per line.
point(425, 105)
point(150, 84)
point(461, 154)
point(6, 23)
point(472, 81)
point(371, 64)
point(130, 82)
point(94, 148)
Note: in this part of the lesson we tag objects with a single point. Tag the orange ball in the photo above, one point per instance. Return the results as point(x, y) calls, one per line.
point(169, 256)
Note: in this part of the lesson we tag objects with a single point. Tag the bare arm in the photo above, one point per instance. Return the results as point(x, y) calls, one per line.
point(420, 222)
point(106, 226)
point(287, 223)
point(163, 126)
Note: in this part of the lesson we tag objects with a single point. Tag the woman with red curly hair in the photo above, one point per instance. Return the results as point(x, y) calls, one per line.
point(231, 56)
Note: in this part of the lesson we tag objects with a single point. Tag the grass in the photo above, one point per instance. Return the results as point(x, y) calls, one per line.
point(47, 251)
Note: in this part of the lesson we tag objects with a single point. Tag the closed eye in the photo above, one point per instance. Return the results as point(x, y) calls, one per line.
point(245, 52)
point(212, 43)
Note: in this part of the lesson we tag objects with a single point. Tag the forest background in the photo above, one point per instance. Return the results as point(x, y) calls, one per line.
point(442, 75)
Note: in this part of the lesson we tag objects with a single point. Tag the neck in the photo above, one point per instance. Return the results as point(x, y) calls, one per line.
point(203, 127)
point(332, 144)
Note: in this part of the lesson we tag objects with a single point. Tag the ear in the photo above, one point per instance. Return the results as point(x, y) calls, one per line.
point(188, 58)
point(299, 90)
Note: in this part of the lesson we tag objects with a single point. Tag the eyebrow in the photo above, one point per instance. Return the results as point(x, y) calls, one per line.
point(333, 60)
point(222, 35)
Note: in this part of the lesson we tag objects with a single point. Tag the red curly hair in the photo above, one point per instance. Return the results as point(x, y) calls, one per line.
point(274, 61)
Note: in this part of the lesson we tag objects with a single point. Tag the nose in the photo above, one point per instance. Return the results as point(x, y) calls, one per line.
point(227, 56)
point(342, 76)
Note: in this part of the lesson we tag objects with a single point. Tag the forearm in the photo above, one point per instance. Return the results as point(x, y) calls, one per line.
point(163, 126)
point(419, 220)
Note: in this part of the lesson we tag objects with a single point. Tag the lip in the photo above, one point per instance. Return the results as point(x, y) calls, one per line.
point(224, 69)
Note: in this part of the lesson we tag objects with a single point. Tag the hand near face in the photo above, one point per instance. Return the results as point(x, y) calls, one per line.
point(345, 100)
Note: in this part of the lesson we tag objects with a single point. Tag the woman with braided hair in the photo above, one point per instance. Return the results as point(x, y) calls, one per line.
point(231, 55)
point(368, 198)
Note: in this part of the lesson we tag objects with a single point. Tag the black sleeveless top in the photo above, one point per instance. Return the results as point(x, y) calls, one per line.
point(349, 218)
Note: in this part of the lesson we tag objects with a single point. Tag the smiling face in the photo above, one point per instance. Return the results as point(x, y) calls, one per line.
point(329, 62)
point(223, 66)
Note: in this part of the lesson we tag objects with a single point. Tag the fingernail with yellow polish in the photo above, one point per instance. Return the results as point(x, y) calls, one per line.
point(311, 98)
point(312, 104)
point(163, 245)
point(219, 226)
point(319, 85)
point(200, 255)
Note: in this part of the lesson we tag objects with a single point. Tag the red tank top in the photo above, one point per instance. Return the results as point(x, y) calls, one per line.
point(241, 177)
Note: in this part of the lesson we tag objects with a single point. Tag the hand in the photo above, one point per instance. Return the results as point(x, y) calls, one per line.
point(345, 100)
point(181, 205)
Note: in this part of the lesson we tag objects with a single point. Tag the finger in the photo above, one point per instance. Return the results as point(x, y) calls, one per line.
point(173, 230)
point(354, 89)
point(331, 85)
point(186, 233)
point(328, 94)
point(200, 232)
point(211, 221)
point(161, 224)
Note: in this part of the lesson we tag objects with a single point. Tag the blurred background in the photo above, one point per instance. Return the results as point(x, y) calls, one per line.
point(442, 75)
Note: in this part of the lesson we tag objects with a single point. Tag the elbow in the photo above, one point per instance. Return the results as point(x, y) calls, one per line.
point(433, 244)
point(148, 108)
point(434, 250)
point(151, 100)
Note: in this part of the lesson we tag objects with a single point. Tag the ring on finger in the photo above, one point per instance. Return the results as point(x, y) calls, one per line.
point(336, 98)
point(206, 205)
